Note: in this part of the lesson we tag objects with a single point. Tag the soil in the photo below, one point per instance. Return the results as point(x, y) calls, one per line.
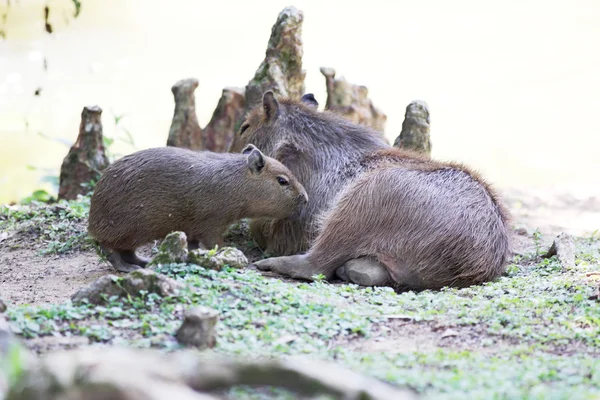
point(29, 278)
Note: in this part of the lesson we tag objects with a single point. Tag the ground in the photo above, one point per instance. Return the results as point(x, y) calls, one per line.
point(533, 333)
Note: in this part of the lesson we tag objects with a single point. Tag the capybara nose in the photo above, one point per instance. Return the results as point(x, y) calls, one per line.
point(303, 199)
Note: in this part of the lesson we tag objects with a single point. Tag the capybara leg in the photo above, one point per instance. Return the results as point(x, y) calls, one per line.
point(212, 238)
point(297, 267)
point(364, 271)
point(194, 245)
point(130, 256)
point(117, 260)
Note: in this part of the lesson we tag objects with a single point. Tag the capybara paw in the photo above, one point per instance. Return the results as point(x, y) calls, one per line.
point(262, 265)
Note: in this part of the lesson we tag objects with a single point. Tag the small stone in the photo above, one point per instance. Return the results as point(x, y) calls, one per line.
point(185, 131)
point(129, 285)
point(2, 306)
point(173, 250)
point(449, 333)
point(564, 248)
point(415, 129)
point(198, 328)
point(285, 339)
point(521, 231)
point(218, 259)
point(86, 158)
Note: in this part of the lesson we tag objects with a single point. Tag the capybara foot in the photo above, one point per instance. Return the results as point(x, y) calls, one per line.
point(342, 273)
point(130, 257)
point(364, 271)
point(121, 265)
point(296, 267)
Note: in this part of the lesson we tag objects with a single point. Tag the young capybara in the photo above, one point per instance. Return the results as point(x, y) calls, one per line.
point(378, 215)
point(148, 194)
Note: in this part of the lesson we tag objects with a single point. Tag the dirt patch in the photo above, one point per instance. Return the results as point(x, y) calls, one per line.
point(553, 211)
point(29, 278)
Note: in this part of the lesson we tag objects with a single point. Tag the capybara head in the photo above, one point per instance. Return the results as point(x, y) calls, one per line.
point(267, 126)
point(277, 191)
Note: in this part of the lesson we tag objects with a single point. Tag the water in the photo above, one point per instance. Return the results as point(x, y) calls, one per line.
point(513, 86)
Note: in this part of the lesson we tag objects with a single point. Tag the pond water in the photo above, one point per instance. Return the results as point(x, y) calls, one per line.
point(513, 86)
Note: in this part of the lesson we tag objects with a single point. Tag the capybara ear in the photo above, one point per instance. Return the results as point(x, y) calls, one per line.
point(309, 100)
point(270, 105)
point(249, 147)
point(256, 161)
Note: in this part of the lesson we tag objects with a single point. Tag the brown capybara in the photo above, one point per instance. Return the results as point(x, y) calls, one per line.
point(378, 215)
point(324, 151)
point(148, 194)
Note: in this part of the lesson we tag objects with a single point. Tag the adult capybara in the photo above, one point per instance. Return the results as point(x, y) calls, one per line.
point(378, 215)
point(322, 149)
point(148, 194)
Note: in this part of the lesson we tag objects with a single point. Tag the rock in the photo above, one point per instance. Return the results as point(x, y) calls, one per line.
point(415, 129)
point(449, 333)
point(86, 158)
point(218, 259)
point(2, 306)
point(129, 285)
point(198, 328)
point(352, 101)
point(564, 248)
point(281, 70)
point(185, 131)
point(172, 250)
point(217, 135)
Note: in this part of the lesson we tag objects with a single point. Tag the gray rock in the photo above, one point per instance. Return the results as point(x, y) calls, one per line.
point(128, 285)
point(198, 328)
point(174, 249)
point(281, 70)
point(415, 129)
point(218, 259)
point(352, 101)
point(2, 306)
point(185, 131)
point(564, 248)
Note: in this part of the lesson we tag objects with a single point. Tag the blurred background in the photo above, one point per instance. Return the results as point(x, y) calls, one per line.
point(513, 86)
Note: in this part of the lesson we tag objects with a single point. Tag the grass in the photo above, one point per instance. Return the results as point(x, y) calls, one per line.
point(532, 334)
point(54, 229)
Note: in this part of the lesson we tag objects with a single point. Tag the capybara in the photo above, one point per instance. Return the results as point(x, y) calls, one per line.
point(322, 149)
point(378, 215)
point(148, 194)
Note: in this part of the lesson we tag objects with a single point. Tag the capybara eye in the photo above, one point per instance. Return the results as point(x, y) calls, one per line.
point(282, 181)
point(243, 128)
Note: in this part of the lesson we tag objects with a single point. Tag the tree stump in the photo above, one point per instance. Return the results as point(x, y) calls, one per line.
point(86, 158)
point(281, 70)
point(415, 129)
point(219, 132)
point(185, 131)
point(352, 101)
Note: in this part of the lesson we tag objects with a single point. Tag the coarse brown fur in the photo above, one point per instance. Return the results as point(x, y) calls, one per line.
point(148, 194)
point(417, 223)
point(322, 149)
